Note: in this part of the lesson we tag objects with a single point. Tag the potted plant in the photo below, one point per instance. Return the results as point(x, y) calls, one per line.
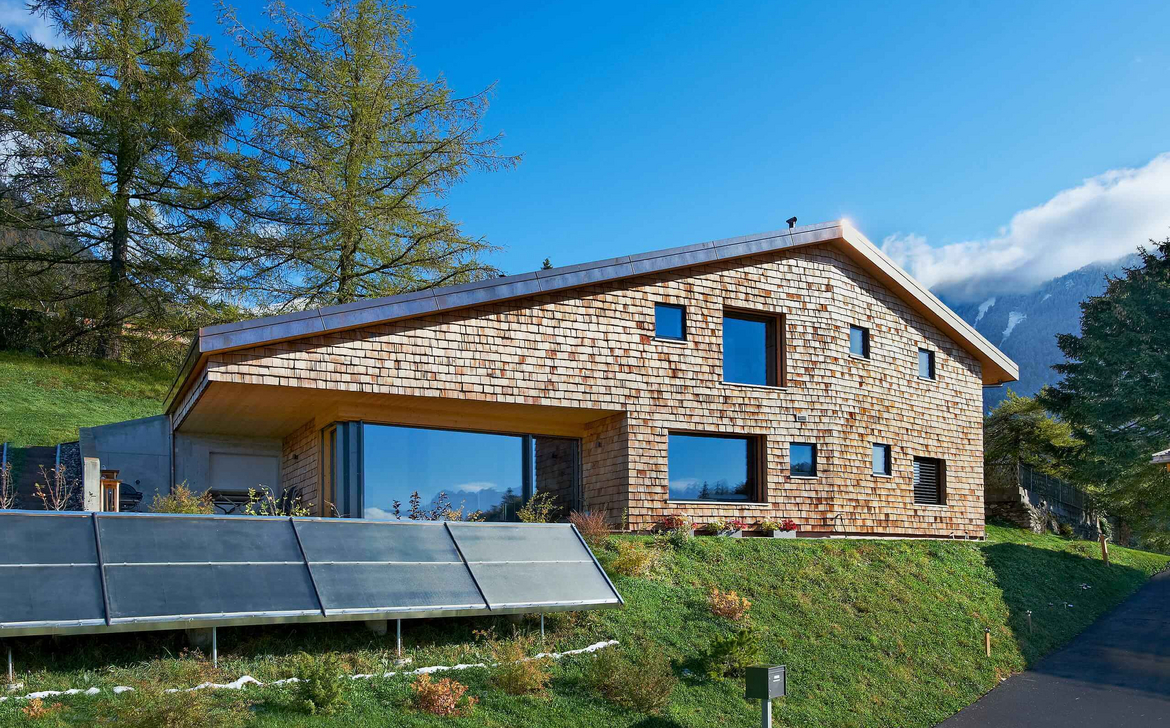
point(677, 523)
point(730, 527)
point(779, 529)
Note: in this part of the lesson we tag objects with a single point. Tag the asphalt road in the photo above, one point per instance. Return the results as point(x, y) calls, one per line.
point(1115, 673)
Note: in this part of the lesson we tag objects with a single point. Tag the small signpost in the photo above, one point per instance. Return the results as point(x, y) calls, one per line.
point(765, 682)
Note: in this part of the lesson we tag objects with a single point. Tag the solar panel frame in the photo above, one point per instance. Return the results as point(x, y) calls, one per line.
point(109, 566)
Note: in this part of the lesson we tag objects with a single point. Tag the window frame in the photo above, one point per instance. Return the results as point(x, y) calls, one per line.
point(941, 469)
point(889, 451)
point(347, 477)
point(756, 467)
point(816, 469)
point(933, 364)
point(865, 351)
point(776, 340)
point(681, 308)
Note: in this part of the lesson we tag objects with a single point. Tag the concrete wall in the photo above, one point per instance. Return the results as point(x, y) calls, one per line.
point(140, 450)
point(227, 462)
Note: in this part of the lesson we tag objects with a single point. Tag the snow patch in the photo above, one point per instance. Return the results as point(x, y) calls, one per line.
point(984, 308)
point(1014, 319)
point(1046, 297)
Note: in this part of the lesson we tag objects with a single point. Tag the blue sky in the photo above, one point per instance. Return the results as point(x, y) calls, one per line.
point(983, 144)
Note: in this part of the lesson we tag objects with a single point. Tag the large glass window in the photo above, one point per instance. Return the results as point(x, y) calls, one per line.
point(428, 474)
point(750, 349)
point(712, 468)
point(670, 321)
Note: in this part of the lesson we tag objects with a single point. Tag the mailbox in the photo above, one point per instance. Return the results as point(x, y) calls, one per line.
point(766, 682)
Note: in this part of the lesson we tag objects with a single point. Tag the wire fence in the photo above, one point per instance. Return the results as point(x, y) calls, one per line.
point(1052, 489)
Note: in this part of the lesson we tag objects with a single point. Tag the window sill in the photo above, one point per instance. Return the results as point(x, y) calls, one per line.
point(937, 506)
point(735, 504)
point(859, 356)
point(882, 475)
point(804, 477)
point(927, 379)
point(763, 387)
point(667, 340)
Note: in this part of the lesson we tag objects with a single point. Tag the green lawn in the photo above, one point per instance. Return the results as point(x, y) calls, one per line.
point(874, 633)
point(44, 401)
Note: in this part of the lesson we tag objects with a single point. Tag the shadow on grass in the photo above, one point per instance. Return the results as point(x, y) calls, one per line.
point(1052, 585)
point(128, 650)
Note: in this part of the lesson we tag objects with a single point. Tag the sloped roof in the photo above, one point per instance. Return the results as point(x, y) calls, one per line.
point(997, 367)
point(1161, 457)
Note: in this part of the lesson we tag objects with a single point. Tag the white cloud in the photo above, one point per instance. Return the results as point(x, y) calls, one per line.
point(1103, 218)
point(474, 487)
point(14, 16)
point(377, 514)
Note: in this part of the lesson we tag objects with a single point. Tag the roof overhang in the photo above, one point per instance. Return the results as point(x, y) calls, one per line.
point(1161, 458)
point(997, 367)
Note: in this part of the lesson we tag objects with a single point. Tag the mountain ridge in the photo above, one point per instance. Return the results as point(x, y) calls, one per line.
point(1024, 325)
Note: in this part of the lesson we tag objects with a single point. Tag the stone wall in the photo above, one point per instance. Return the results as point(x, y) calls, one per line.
point(594, 348)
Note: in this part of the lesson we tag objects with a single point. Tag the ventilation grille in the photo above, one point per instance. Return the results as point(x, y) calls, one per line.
point(927, 481)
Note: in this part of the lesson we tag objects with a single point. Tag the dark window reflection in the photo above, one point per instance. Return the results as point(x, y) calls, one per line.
point(803, 459)
point(669, 321)
point(749, 349)
point(711, 468)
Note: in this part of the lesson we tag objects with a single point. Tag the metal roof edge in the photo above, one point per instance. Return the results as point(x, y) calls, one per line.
point(975, 341)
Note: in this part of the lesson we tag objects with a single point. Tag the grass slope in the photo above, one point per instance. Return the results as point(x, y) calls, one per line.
point(874, 633)
point(44, 401)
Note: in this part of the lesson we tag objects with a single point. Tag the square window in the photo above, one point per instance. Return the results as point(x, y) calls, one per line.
point(930, 481)
point(802, 458)
point(752, 349)
point(712, 468)
point(881, 460)
point(859, 341)
point(926, 363)
point(670, 321)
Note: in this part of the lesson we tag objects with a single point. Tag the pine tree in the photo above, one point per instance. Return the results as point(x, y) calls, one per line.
point(356, 150)
point(1115, 393)
point(111, 151)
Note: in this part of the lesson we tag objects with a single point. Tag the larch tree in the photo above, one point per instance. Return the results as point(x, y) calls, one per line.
point(1115, 393)
point(356, 152)
point(110, 165)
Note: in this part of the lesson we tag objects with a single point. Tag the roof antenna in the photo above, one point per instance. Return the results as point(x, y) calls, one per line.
point(791, 222)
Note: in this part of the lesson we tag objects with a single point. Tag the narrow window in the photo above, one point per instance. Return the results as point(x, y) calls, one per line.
point(926, 363)
point(713, 468)
point(881, 460)
point(753, 349)
point(670, 321)
point(859, 341)
point(929, 481)
point(802, 459)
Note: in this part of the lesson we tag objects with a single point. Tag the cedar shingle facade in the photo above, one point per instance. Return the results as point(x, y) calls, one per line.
point(584, 362)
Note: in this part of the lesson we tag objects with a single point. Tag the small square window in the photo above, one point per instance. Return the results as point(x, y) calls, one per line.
point(802, 458)
point(859, 341)
point(670, 321)
point(881, 460)
point(926, 363)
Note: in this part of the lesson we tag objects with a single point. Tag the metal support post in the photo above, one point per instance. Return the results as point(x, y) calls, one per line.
point(399, 629)
point(11, 672)
point(214, 649)
point(542, 627)
point(766, 713)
